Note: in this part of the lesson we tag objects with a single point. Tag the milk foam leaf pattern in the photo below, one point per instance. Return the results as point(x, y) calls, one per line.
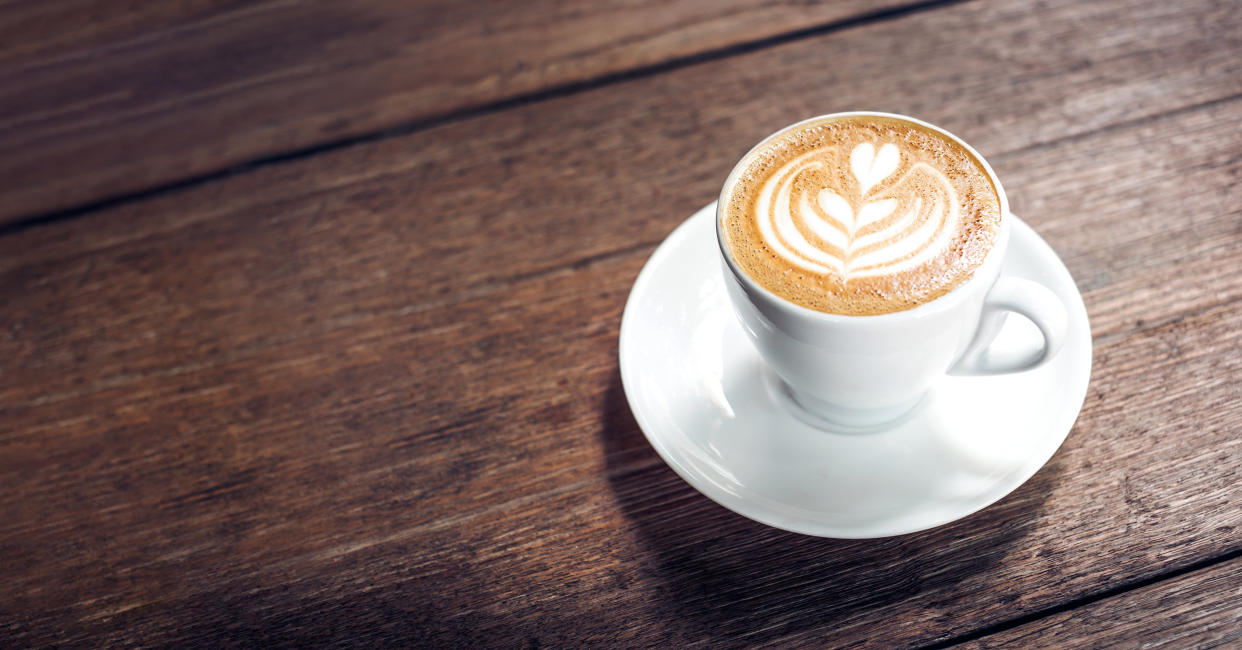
point(881, 216)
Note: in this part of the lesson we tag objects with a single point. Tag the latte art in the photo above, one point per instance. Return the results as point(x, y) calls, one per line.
point(860, 215)
point(859, 230)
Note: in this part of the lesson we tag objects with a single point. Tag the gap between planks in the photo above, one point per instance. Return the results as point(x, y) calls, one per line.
point(1085, 600)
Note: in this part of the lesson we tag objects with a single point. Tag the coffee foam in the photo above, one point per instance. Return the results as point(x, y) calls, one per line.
point(860, 215)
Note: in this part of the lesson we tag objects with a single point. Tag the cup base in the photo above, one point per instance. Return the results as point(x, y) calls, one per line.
point(836, 419)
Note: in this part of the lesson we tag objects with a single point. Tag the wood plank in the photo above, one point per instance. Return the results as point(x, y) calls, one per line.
point(283, 408)
point(389, 228)
point(1202, 609)
point(664, 144)
point(394, 484)
point(468, 469)
point(99, 99)
point(246, 292)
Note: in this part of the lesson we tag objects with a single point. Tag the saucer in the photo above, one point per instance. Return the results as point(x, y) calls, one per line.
point(714, 412)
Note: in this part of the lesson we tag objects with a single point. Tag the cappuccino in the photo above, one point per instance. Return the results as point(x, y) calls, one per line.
point(860, 215)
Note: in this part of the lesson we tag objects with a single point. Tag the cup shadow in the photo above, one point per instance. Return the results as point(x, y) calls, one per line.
point(725, 575)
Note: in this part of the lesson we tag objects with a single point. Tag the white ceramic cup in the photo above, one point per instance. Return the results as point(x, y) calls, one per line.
point(860, 373)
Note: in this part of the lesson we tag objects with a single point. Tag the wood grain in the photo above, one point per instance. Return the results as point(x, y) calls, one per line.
point(371, 396)
point(99, 99)
point(698, 121)
point(1199, 610)
point(424, 480)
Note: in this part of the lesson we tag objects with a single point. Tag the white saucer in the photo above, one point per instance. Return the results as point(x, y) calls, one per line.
point(707, 404)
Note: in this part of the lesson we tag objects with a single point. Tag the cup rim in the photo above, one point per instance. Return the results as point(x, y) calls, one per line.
point(940, 303)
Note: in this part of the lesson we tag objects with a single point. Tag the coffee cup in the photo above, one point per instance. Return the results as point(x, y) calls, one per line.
point(863, 255)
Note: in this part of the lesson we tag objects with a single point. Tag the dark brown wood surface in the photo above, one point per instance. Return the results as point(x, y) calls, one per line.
point(104, 99)
point(1200, 610)
point(369, 395)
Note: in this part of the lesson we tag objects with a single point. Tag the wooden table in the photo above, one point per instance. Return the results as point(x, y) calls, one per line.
point(311, 314)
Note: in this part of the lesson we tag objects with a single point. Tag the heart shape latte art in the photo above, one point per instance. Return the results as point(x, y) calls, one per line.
point(877, 214)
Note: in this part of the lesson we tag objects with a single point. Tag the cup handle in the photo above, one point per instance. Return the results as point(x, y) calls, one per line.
point(1027, 298)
